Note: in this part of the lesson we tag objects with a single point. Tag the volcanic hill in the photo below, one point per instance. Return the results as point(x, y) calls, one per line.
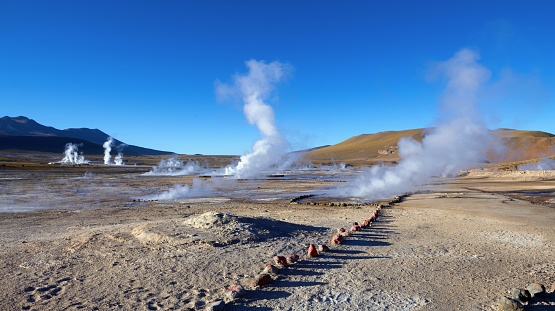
point(367, 149)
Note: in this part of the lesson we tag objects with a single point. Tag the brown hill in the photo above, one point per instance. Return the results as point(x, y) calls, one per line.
point(368, 149)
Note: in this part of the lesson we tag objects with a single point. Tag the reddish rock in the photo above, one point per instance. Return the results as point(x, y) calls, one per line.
point(280, 260)
point(271, 269)
point(234, 292)
point(355, 228)
point(292, 258)
point(312, 252)
point(322, 248)
point(262, 279)
point(337, 239)
point(340, 230)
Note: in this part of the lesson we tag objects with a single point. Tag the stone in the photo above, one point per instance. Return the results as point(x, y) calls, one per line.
point(506, 304)
point(234, 292)
point(280, 260)
point(355, 228)
point(262, 279)
point(271, 269)
point(312, 251)
point(337, 239)
point(520, 295)
point(536, 290)
point(340, 230)
point(292, 258)
point(552, 290)
point(215, 306)
point(322, 248)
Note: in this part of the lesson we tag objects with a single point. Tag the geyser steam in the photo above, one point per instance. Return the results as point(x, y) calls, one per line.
point(459, 141)
point(72, 156)
point(107, 149)
point(118, 160)
point(255, 87)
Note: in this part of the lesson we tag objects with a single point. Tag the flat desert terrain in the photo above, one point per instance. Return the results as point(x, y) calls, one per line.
point(90, 239)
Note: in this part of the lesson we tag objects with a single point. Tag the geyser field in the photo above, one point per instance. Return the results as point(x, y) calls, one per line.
point(85, 238)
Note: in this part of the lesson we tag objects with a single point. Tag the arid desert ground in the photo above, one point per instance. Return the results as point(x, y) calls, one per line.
point(78, 238)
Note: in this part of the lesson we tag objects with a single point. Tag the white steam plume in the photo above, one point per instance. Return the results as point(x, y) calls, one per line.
point(175, 167)
point(72, 156)
point(118, 160)
point(460, 140)
point(197, 189)
point(255, 87)
point(107, 149)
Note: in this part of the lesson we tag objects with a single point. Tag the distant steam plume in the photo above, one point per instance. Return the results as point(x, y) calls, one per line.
point(72, 156)
point(459, 141)
point(175, 167)
point(197, 189)
point(107, 149)
point(255, 87)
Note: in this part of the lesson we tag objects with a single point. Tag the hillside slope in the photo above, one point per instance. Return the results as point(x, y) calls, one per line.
point(367, 149)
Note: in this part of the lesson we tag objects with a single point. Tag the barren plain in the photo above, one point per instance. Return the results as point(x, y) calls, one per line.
point(78, 238)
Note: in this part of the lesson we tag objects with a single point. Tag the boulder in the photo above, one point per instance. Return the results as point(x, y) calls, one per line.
point(355, 228)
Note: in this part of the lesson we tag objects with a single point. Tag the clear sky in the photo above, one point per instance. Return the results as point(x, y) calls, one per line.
point(145, 71)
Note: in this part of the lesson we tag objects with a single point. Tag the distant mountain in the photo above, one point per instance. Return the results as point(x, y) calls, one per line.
point(365, 149)
point(22, 133)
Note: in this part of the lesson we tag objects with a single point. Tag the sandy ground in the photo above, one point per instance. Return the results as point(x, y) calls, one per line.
point(76, 241)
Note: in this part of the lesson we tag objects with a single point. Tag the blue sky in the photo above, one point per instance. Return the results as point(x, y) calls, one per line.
point(145, 71)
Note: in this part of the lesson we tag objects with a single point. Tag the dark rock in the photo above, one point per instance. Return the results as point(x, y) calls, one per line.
point(520, 295)
point(262, 279)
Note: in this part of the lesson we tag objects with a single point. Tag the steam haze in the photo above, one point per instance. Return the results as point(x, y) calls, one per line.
point(459, 141)
point(254, 88)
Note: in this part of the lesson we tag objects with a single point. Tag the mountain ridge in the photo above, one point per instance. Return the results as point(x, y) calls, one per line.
point(34, 136)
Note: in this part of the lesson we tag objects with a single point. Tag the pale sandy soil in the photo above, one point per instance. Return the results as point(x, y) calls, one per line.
point(458, 244)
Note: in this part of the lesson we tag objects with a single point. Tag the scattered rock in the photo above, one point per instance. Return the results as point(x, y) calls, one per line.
point(355, 228)
point(262, 279)
point(520, 295)
point(312, 251)
point(552, 290)
point(322, 248)
point(536, 290)
point(337, 239)
point(340, 230)
point(292, 258)
point(215, 306)
point(280, 260)
point(506, 304)
point(234, 292)
point(271, 269)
